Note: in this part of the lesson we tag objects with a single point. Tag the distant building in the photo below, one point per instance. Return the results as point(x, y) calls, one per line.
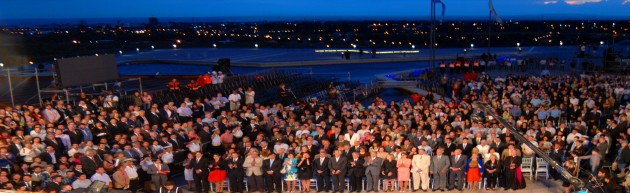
point(153, 21)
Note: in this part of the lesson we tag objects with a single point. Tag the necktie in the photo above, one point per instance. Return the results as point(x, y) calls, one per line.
point(321, 161)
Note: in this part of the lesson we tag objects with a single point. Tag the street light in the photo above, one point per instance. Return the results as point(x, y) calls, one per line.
point(518, 44)
point(152, 47)
point(472, 45)
point(174, 45)
point(413, 46)
point(256, 45)
point(137, 49)
point(120, 51)
point(214, 45)
point(561, 43)
point(1, 65)
point(601, 42)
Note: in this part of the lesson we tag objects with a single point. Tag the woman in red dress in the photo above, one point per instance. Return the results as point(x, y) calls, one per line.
point(217, 172)
point(474, 169)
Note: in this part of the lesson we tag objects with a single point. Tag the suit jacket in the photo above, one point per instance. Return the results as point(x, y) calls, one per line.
point(119, 180)
point(276, 166)
point(319, 165)
point(358, 169)
point(238, 169)
point(459, 163)
point(373, 168)
point(420, 163)
point(15, 150)
point(90, 166)
point(467, 150)
point(53, 186)
point(595, 160)
point(448, 149)
point(624, 158)
point(153, 170)
point(255, 169)
point(440, 164)
point(47, 158)
point(33, 187)
point(338, 165)
point(202, 165)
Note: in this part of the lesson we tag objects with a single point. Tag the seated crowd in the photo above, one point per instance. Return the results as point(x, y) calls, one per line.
point(435, 144)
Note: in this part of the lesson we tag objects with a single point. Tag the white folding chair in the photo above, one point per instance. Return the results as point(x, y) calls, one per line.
point(542, 168)
point(314, 184)
point(526, 167)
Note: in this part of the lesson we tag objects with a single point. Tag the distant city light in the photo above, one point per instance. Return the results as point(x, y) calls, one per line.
point(137, 49)
point(95, 54)
point(561, 43)
point(601, 42)
point(174, 45)
point(214, 45)
point(413, 46)
point(75, 42)
point(518, 44)
point(472, 45)
point(179, 41)
point(152, 47)
point(30, 62)
point(256, 45)
point(354, 45)
point(1, 64)
point(120, 51)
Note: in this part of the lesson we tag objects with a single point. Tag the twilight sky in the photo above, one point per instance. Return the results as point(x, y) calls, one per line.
point(39, 9)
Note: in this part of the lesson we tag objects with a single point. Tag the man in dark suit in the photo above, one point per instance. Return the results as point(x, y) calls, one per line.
point(28, 184)
point(271, 168)
point(236, 173)
point(498, 145)
point(466, 147)
point(55, 185)
point(90, 162)
point(76, 137)
point(200, 173)
point(556, 154)
point(51, 140)
point(356, 171)
point(322, 173)
point(337, 167)
point(458, 164)
point(449, 146)
point(51, 155)
point(16, 147)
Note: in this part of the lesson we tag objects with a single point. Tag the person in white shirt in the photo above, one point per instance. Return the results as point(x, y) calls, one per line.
point(167, 156)
point(194, 146)
point(235, 100)
point(351, 136)
point(100, 175)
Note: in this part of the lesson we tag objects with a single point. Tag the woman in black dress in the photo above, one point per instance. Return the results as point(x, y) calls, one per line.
point(491, 172)
point(570, 166)
point(305, 172)
point(389, 171)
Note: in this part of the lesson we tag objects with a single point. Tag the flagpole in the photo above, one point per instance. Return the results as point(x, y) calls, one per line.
point(489, 29)
point(432, 37)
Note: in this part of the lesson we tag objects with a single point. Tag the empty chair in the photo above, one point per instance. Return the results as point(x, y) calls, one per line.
point(542, 168)
point(527, 168)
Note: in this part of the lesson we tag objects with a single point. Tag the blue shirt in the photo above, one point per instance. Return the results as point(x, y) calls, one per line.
point(542, 115)
point(555, 113)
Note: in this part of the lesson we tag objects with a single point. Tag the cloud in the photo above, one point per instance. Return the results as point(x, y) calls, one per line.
point(553, 2)
point(625, 1)
point(582, 2)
